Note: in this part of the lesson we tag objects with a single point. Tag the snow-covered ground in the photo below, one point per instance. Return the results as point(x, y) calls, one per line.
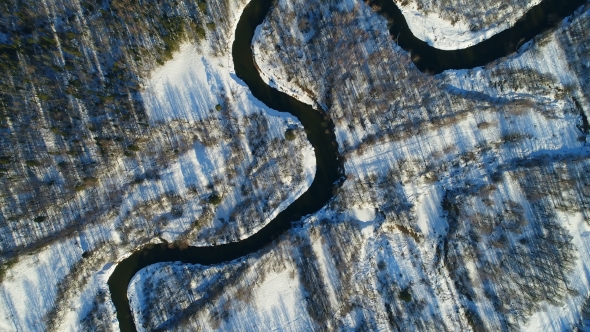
point(181, 94)
point(291, 89)
point(377, 268)
point(516, 110)
point(446, 34)
point(265, 303)
point(189, 88)
point(374, 258)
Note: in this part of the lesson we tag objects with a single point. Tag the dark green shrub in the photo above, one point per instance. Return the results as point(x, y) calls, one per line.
point(40, 219)
point(58, 131)
point(405, 295)
point(202, 6)
point(201, 33)
point(86, 183)
point(290, 134)
point(32, 163)
point(5, 267)
point(43, 96)
point(215, 199)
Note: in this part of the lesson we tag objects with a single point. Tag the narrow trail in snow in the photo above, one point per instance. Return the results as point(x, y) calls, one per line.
point(320, 132)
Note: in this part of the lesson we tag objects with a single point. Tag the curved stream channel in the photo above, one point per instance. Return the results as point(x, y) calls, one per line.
point(329, 166)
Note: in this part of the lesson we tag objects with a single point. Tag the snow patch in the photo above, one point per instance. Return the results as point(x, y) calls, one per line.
point(445, 35)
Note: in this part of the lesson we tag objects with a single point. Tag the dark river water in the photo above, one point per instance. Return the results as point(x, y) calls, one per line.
point(329, 172)
point(538, 19)
point(320, 133)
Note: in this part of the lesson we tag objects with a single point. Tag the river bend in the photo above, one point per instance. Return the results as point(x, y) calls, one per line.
point(329, 165)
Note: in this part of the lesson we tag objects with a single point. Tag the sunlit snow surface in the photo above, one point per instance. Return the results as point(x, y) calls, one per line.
point(445, 35)
point(187, 88)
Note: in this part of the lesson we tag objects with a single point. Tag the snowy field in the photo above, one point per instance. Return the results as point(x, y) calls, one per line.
point(372, 258)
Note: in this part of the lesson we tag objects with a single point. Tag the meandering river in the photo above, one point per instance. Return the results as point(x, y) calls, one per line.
point(328, 162)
